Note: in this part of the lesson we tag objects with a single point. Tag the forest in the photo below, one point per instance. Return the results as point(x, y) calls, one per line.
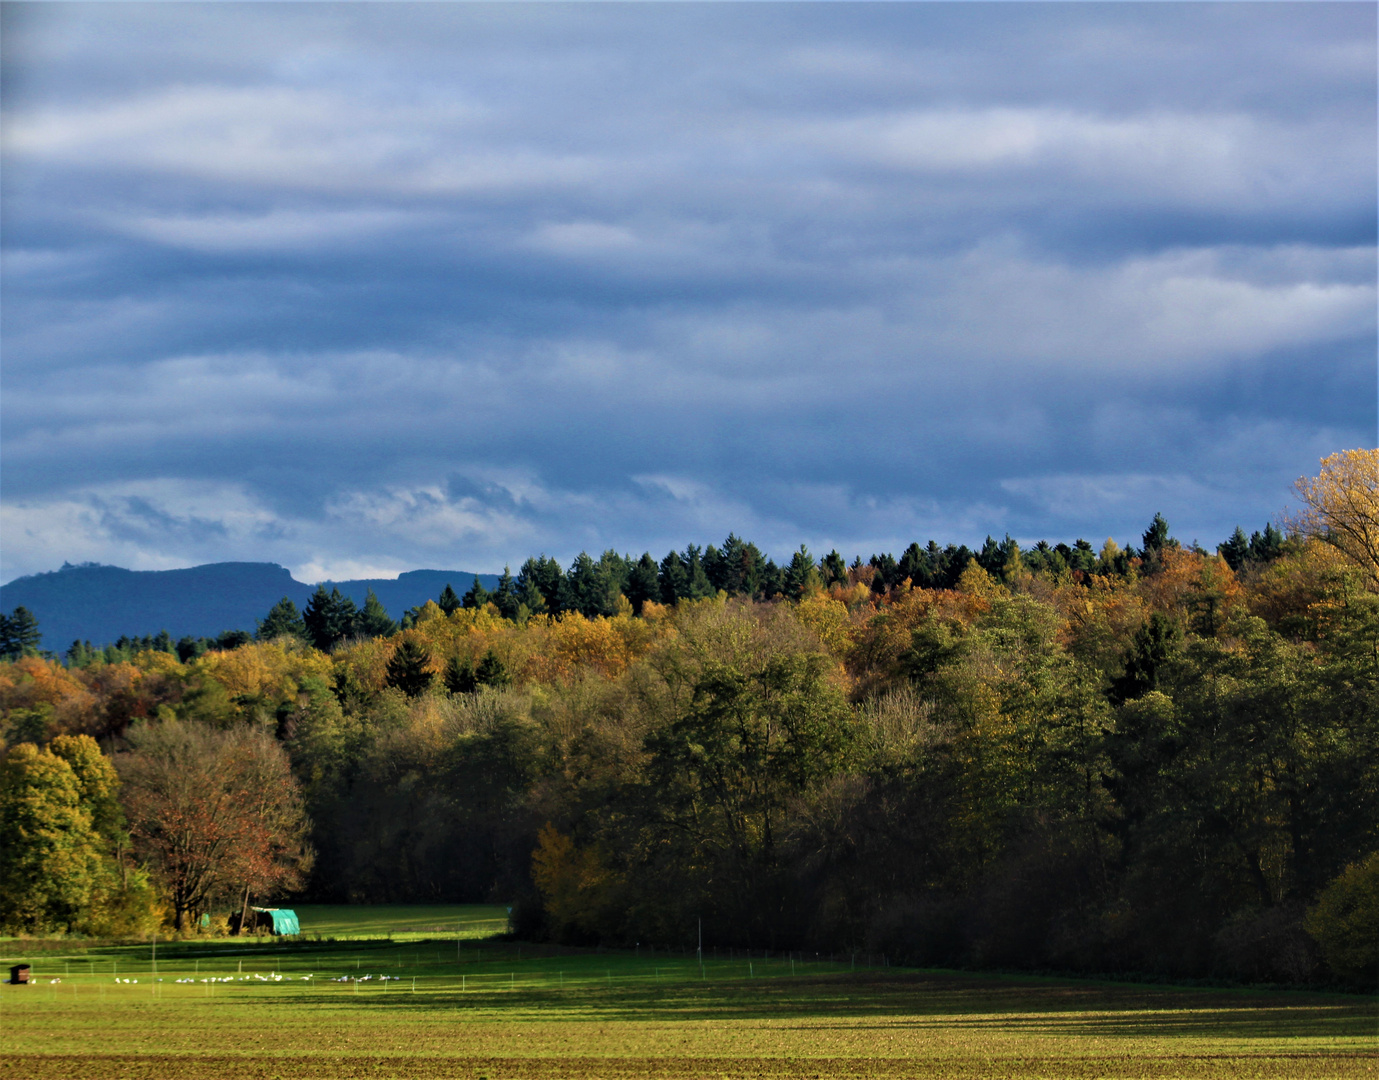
point(1155, 759)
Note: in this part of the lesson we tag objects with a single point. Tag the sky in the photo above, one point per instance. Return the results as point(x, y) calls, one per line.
point(365, 288)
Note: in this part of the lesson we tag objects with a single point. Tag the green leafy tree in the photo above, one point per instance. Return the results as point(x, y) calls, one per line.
point(51, 855)
point(224, 641)
point(82, 654)
point(772, 581)
point(122, 902)
point(833, 569)
point(737, 569)
point(593, 588)
point(189, 648)
point(1266, 546)
point(1082, 557)
point(913, 564)
point(1154, 541)
point(1345, 921)
point(751, 738)
point(1156, 643)
point(887, 572)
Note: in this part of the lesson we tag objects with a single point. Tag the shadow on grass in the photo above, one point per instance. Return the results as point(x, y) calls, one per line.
point(962, 1002)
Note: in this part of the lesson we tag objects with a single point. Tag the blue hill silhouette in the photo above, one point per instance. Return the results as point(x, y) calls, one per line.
point(99, 604)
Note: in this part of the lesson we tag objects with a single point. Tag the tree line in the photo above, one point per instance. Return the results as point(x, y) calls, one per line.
point(1152, 759)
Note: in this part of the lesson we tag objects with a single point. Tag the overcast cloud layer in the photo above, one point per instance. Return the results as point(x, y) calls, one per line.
point(365, 288)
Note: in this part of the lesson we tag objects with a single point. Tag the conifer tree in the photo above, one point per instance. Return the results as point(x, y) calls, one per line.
point(643, 583)
point(282, 620)
point(672, 579)
point(477, 596)
point(449, 601)
point(408, 668)
point(529, 593)
point(1266, 546)
point(19, 634)
point(329, 618)
point(1235, 550)
point(373, 620)
point(698, 586)
point(1155, 540)
point(459, 675)
point(505, 597)
point(801, 576)
point(491, 671)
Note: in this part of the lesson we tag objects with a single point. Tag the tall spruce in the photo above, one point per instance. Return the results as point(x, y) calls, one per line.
point(409, 668)
point(283, 620)
point(477, 596)
point(329, 618)
point(449, 600)
point(373, 619)
point(505, 597)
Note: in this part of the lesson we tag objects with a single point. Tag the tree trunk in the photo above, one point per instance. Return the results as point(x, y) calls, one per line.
point(244, 911)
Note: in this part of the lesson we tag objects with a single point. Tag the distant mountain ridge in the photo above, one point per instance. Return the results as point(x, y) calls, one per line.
point(99, 604)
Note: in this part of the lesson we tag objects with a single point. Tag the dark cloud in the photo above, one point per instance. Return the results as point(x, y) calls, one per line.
point(364, 287)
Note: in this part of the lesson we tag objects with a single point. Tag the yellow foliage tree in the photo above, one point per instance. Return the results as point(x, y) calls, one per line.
point(266, 670)
point(1341, 505)
point(572, 883)
point(829, 618)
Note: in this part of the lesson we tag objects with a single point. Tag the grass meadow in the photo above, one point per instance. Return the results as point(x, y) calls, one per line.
point(428, 1002)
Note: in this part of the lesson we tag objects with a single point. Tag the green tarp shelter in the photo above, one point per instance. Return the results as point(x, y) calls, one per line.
point(284, 920)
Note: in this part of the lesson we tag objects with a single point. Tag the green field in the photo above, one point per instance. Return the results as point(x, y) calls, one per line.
point(472, 1007)
point(403, 922)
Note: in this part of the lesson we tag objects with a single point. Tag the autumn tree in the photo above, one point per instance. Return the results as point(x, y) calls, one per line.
point(1341, 506)
point(214, 812)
